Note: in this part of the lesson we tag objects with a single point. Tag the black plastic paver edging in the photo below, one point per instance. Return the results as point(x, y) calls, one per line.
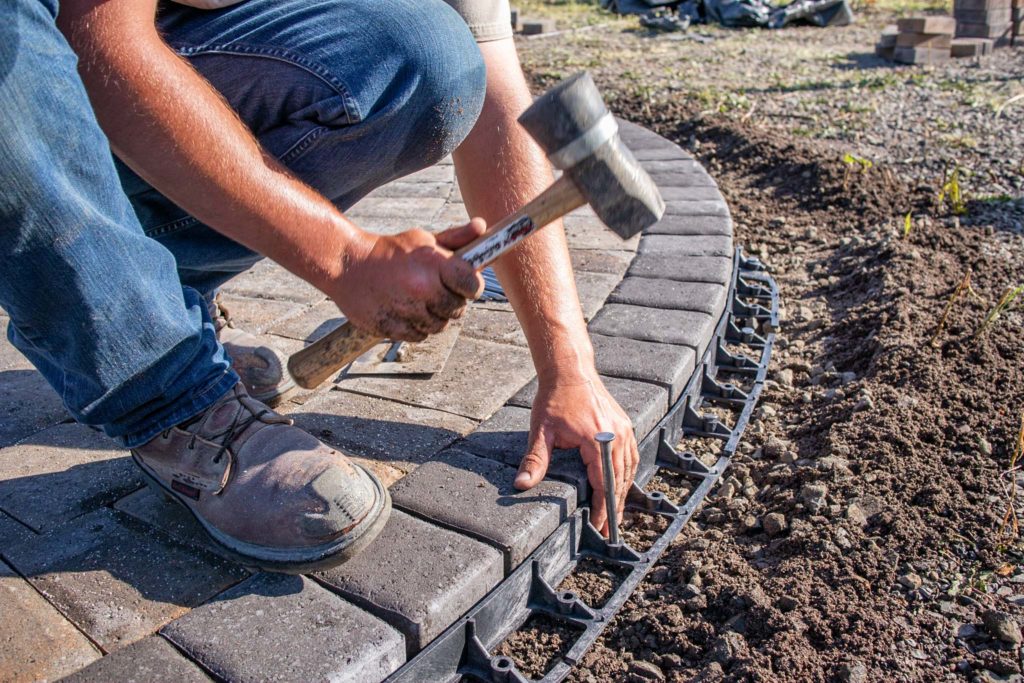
point(464, 650)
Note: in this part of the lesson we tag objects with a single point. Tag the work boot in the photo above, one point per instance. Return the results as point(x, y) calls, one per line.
point(268, 494)
point(261, 367)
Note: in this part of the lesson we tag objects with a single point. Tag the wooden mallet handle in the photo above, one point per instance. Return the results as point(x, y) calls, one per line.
point(320, 360)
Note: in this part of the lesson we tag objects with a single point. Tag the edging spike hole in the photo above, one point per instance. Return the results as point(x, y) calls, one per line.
point(569, 596)
point(592, 582)
point(502, 663)
point(671, 486)
point(538, 645)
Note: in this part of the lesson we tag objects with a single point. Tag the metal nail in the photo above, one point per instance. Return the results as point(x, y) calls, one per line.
point(604, 440)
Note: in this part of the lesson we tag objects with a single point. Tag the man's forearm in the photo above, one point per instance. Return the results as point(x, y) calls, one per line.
point(537, 274)
point(173, 129)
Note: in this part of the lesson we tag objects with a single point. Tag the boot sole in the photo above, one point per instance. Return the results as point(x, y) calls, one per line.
point(288, 561)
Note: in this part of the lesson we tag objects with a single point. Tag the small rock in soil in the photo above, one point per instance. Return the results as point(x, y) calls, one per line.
point(774, 523)
point(813, 496)
point(787, 603)
point(689, 591)
point(1002, 626)
point(910, 581)
point(659, 575)
point(645, 671)
point(785, 377)
point(712, 673)
point(853, 672)
point(727, 647)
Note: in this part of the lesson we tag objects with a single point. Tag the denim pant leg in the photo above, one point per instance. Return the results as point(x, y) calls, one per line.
point(94, 304)
point(347, 94)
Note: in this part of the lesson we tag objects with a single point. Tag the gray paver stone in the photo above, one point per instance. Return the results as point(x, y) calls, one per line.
point(27, 402)
point(61, 473)
point(146, 661)
point(686, 245)
point(476, 496)
point(257, 315)
point(593, 289)
point(154, 509)
point(118, 580)
point(36, 642)
point(688, 328)
point(438, 173)
point(691, 207)
point(267, 280)
point(287, 628)
point(417, 576)
point(639, 138)
point(401, 188)
point(458, 388)
point(705, 297)
point(676, 164)
point(312, 323)
point(665, 364)
point(644, 403)
point(393, 433)
point(687, 269)
point(691, 225)
point(588, 232)
point(682, 179)
point(504, 438)
point(598, 261)
point(691, 194)
point(666, 152)
point(493, 324)
point(12, 531)
point(416, 210)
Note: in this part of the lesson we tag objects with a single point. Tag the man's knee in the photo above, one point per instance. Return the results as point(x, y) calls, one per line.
point(442, 77)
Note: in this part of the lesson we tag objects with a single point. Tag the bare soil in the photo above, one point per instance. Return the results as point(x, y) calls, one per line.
point(884, 439)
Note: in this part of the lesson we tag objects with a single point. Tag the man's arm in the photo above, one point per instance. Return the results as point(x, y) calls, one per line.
point(572, 404)
point(173, 129)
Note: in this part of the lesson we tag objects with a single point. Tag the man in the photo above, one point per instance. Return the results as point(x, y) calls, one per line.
point(243, 129)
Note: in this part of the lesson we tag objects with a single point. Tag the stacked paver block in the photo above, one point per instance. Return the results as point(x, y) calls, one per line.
point(924, 40)
point(886, 45)
point(446, 444)
point(987, 19)
point(970, 47)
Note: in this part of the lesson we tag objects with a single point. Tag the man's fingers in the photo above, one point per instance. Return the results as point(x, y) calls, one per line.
point(534, 464)
point(459, 277)
point(446, 305)
point(459, 236)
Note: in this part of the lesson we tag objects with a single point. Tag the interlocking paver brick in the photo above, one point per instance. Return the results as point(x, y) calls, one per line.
point(657, 153)
point(12, 531)
point(453, 213)
point(267, 280)
point(495, 323)
point(691, 194)
point(593, 289)
point(417, 576)
point(27, 402)
point(36, 642)
point(287, 628)
point(665, 364)
point(401, 188)
point(146, 661)
point(417, 210)
point(687, 328)
point(686, 245)
point(706, 297)
point(475, 496)
point(691, 207)
point(257, 315)
point(312, 323)
point(397, 434)
point(588, 232)
point(61, 473)
point(597, 261)
point(118, 580)
point(154, 509)
point(692, 269)
point(676, 164)
point(458, 388)
point(502, 437)
point(665, 179)
point(644, 403)
point(438, 173)
point(692, 225)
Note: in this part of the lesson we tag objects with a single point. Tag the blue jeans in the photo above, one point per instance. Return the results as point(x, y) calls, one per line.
point(103, 277)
